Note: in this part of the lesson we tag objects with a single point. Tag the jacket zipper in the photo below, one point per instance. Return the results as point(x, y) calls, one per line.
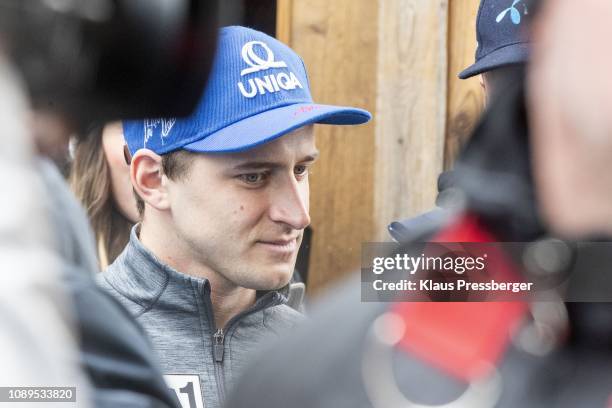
point(219, 346)
point(219, 335)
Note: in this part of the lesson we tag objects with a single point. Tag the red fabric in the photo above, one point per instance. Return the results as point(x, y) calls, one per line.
point(457, 337)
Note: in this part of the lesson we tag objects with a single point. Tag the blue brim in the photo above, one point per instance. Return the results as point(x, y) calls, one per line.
point(266, 126)
point(509, 55)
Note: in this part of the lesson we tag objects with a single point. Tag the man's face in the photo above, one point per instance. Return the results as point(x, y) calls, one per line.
point(243, 214)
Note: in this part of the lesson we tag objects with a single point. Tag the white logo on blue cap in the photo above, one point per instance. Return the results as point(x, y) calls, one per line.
point(255, 61)
point(515, 14)
point(151, 124)
point(269, 83)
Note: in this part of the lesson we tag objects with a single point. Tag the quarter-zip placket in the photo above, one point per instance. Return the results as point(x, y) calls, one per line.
point(219, 335)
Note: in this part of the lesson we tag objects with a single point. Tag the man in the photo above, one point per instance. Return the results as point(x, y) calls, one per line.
point(502, 45)
point(224, 201)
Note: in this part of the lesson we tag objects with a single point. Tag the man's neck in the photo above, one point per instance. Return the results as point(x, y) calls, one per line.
point(227, 298)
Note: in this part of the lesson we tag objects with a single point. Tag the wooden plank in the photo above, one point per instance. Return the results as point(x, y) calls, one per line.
point(389, 57)
point(338, 42)
point(284, 13)
point(465, 97)
point(411, 108)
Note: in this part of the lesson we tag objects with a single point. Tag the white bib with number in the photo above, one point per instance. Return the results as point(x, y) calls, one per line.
point(187, 389)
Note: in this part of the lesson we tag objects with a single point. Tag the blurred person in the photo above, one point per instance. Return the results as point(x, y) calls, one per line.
point(100, 179)
point(224, 201)
point(487, 354)
point(570, 94)
point(61, 329)
point(502, 46)
point(27, 249)
point(409, 354)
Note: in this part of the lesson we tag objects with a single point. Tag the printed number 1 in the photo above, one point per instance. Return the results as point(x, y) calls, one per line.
point(188, 389)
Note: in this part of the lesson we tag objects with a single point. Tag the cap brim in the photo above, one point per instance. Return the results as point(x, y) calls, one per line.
point(269, 125)
point(508, 55)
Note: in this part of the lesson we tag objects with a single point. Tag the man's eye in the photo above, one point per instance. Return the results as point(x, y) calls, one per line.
point(253, 178)
point(300, 170)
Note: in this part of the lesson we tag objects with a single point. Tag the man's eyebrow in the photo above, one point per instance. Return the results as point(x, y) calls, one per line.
point(311, 157)
point(256, 165)
point(263, 164)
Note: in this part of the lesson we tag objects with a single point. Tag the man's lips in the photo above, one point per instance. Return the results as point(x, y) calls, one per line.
point(280, 245)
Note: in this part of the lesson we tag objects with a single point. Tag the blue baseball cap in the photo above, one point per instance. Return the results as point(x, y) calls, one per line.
point(258, 91)
point(501, 36)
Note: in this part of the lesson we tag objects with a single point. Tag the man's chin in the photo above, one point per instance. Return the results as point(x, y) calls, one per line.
point(272, 279)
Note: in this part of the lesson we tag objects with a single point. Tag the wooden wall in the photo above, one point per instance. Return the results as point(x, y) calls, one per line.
point(399, 60)
point(465, 98)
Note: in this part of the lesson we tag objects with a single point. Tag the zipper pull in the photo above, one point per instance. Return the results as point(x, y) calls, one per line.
point(218, 345)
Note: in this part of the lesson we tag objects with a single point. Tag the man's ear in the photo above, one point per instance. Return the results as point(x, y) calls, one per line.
point(146, 173)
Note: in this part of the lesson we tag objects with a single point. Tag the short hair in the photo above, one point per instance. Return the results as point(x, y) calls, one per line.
point(176, 166)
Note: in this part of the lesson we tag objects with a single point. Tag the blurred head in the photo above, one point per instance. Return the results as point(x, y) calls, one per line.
point(502, 41)
point(227, 188)
point(94, 61)
point(101, 61)
point(570, 101)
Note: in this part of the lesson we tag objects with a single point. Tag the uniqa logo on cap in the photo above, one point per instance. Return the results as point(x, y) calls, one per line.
point(268, 83)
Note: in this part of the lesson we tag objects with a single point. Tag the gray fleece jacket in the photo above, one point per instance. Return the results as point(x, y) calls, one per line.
point(200, 361)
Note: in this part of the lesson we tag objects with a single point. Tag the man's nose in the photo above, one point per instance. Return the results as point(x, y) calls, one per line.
point(289, 204)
